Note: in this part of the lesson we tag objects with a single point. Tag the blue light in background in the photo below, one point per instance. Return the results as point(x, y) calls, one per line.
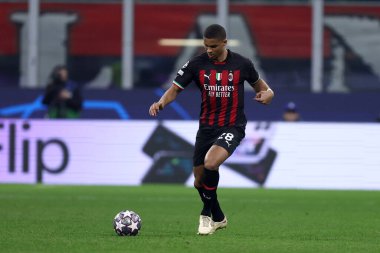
point(27, 109)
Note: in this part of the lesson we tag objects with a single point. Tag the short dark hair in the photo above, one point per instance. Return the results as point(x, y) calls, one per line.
point(215, 31)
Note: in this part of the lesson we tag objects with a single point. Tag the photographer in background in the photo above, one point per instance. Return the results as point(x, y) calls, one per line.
point(62, 96)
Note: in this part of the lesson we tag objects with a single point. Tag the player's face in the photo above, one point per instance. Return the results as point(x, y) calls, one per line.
point(214, 47)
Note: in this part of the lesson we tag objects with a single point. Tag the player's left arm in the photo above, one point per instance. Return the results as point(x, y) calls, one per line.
point(264, 94)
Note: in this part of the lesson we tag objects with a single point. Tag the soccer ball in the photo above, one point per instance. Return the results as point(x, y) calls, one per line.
point(127, 223)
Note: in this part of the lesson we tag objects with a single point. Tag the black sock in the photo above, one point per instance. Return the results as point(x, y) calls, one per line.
point(206, 205)
point(210, 179)
point(217, 213)
point(210, 185)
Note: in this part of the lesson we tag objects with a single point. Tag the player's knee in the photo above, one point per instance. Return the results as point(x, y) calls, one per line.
point(211, 164)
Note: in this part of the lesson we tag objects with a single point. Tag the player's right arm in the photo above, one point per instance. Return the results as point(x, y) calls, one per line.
point(183, 79)
point(168, 97)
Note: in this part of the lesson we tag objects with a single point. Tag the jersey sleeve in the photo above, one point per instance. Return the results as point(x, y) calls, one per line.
point(185, 75)
point(252, 74)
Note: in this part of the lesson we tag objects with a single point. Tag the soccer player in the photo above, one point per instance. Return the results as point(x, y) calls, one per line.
point(219, 74)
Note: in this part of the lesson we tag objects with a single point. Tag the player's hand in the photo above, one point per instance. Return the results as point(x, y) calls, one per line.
point(264, 97)
point(155, 108)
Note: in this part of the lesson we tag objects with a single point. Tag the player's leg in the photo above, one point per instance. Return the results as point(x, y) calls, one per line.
point(209, 182)
point(202, 145)
point(216, 212)
point(223, 147)
point(214, 158)
point(206, 224)
point(198, 175)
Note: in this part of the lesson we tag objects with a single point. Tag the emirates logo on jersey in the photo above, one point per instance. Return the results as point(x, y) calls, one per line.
point(218, 84)
point(218, 91)
point(218, 88)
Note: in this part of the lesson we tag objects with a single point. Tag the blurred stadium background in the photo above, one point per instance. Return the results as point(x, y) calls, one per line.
point(322, 59)
point(320, 55)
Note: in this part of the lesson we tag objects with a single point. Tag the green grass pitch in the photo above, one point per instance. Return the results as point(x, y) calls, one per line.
point(40, 218)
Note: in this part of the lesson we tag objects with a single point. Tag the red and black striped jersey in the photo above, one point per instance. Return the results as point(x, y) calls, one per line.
point(221, 85)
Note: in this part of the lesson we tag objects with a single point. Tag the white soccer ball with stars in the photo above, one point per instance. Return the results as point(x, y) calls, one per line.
point(127, 223)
